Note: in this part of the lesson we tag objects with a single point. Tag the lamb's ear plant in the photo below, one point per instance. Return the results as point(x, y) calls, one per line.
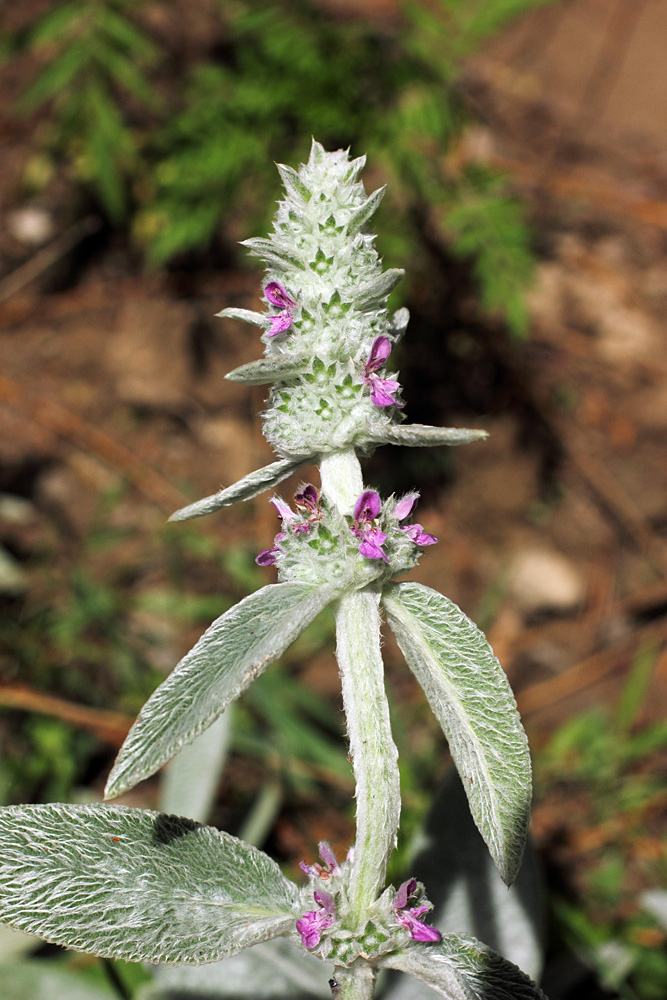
point(145, 886)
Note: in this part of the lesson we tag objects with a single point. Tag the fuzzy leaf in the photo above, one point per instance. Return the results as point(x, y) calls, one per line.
point(399, 323)
point(275, 369)
point(473, 702)
point(463, 969)
point(276, 254)
point(246, 315)
point(374, 292)
point(360, 217)
point(424, 436)
point(137, 885)
point(232, 652)
point(294, 186)
point(245, 489)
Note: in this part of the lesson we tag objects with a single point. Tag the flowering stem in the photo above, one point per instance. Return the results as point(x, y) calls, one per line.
point(355, 983)
point(342, 482)
point(373, 752)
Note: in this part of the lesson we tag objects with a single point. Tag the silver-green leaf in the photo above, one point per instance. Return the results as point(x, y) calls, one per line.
point(463, 969)
point(278, 368)
point(245, 315)
point(376, 291)
point(473, 702)
point(424, 436)
point(278, 255)
point(233, 651)
point(361, 215)
point(245, 489)
point(137, 885)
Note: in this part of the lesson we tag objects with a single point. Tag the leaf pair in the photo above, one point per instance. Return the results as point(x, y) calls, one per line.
point(453, 662)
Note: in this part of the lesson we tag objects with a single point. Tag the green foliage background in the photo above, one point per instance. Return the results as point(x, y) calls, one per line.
point(182, 153)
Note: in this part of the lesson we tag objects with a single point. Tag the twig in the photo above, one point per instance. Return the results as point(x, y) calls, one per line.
point(111, 727)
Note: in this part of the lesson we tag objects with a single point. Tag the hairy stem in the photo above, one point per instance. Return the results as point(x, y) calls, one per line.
point(373, 752)
point(342, 482)
point(355, 983)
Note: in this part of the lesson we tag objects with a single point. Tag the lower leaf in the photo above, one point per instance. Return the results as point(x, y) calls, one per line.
point(137, 885)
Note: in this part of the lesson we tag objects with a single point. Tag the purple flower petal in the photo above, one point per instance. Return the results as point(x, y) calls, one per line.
point(308, 497)
point(368, 506)
point(404, 892)
point(280, 323)
point(284, 510)
point(405, 506)
point(325, 900)
point(267, 557)
point(382, 390)
point(416, 534)
point(409, 917)
point(380, 351)
point(417, 929)
point(326, 854)
point(372, 549)
point(311, 925)
point(277, 296)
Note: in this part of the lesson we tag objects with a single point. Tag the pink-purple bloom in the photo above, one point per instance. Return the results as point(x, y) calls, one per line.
point(382, 389)
point(367, 508)
point(307, 500)
point(311, 925)
point(415, 532)
point(408, 917)
point(331, 866)
point(278, 297)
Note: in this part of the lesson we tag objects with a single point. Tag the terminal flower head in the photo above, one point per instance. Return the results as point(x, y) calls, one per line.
point(382, 389)
point(277, 296)
point(408, 917)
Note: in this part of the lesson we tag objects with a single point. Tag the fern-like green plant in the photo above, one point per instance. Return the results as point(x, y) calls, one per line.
point(94, 56)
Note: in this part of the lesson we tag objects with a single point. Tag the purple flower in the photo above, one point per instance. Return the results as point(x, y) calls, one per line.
point(415, 532)
point(308, 498)
point(366, 509)
point(311, 925)
point(408, 917)
point(331, 866)
point(382, 389)
point(277, 296)
point(267, 557)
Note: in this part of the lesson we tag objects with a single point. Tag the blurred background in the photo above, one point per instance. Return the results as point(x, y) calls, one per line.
point(524, 143)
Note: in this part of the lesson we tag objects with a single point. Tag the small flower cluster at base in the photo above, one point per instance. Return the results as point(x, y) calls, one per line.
point(317, 545)
point(326, 931)
point(366, 526)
